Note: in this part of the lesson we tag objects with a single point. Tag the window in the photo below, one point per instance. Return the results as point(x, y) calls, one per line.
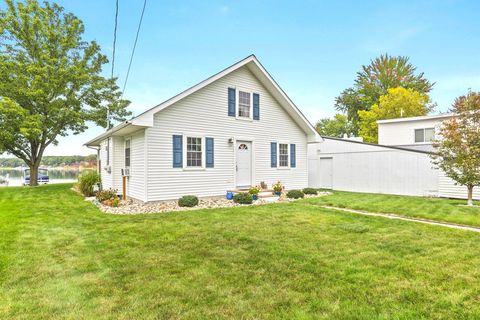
point(424, 135)
point(244, 104)
point(243, 146)
point(194, 152)
point(127, 153)
point(283, 155)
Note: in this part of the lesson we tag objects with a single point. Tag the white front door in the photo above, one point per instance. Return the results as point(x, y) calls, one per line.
point(243, 166)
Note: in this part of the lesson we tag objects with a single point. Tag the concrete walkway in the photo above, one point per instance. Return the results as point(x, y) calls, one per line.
point(398, 217)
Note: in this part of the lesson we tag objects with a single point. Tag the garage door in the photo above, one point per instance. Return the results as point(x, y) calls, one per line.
point(326, 173)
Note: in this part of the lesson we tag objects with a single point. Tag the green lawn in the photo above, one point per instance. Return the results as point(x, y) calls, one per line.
point(61, 258)
point(448, 210)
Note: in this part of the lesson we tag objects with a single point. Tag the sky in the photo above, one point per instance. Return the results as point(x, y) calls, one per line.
point(313, 49)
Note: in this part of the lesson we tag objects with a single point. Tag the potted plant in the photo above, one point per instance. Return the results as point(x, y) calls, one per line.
point(254, 190)
point(277, 188)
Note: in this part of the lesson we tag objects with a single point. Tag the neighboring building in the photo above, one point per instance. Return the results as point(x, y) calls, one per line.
point(399, 164)
point(232, 130)
point(413, 133)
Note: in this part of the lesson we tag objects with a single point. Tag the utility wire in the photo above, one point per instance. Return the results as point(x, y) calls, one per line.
point(134, 46)
point(113, 57)
point(114, 37)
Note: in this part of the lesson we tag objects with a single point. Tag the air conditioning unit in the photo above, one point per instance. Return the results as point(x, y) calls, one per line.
point(126, 172)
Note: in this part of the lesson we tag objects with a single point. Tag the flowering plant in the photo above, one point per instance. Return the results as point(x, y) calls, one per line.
point(277, 187)
point(254, 190)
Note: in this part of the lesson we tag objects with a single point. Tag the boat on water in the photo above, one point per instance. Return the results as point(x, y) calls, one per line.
point(42, 176)
point(4, 180)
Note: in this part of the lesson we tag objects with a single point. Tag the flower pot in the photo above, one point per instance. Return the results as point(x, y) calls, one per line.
point(229, 195)
point(277, 193)
point(254, 196)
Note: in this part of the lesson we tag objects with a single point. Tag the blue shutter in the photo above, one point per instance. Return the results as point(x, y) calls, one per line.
point(293, 160)
point(273, 154)
point(231, 102)
point(177, 151)
point(209, 152)
point(256, 106)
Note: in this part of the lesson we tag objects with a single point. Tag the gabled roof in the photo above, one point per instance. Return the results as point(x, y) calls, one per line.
point(145, 119)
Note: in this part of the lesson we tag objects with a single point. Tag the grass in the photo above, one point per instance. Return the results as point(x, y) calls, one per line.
point(61, 258)
point(439, 209)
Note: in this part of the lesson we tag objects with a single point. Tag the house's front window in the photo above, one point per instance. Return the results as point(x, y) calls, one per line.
point(283, 155)
point(194, 152)
point(127, 153)
point(424, 135)
point(244, 104)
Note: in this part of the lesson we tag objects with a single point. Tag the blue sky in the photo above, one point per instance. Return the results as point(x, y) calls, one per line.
point(312, 48)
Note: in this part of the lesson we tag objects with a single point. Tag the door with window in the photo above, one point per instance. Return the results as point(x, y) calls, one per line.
point(243, 166)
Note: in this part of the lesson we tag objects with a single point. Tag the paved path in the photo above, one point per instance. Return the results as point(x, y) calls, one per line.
point(395, 216)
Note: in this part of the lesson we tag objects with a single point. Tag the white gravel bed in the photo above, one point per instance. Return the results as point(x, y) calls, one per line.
point(135, 207)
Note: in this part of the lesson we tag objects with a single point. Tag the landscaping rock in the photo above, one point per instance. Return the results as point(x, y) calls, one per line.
point(135, 207)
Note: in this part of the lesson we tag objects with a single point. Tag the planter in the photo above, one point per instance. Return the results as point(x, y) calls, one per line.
point(255, 197)
point(229, 195)
point(277, 193)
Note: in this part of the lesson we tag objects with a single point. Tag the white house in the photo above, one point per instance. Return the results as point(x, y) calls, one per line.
point(399, 164)
point(413, 132)
point(233, 130)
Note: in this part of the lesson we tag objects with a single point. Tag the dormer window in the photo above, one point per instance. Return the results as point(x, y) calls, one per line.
point(244, 104)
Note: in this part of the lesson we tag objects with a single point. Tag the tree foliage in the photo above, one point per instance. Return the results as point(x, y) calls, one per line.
point(50, 80)
point(398, 102)
point(458, 146)
point(374, 80)
point(337, 126)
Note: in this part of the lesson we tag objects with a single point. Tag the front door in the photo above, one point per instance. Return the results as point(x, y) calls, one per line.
point(244, 163)
point(326, 173)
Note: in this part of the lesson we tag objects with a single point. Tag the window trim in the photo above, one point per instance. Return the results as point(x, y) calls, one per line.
point(184, 152)
point(125, 153)
point(237, 101)
point(424, 135)
point(287, 167)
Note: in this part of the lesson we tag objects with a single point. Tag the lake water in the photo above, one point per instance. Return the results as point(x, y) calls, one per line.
point(56, 176)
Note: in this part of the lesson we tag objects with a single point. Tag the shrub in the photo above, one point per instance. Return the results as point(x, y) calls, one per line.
point(113, 202)
point(295, 194)
point(243, 198)
point(86, 181)
point(188, 201)
point(254, 190)
point(310, 191)
point(106, 195)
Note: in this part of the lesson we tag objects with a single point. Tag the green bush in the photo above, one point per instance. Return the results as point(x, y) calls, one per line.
point(243, 198)
point(106, 195)
point(86, 181)
point(310, 191)
point(295, 194)
point(188, 201)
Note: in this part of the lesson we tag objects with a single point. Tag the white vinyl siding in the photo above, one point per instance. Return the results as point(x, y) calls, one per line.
point(448, 188)
point(206, 112)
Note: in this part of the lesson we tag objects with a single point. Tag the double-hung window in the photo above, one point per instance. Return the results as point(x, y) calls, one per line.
point(244, 104)
point(194, 152)
point(283, 155)
point(424, 135)
point(127, 153)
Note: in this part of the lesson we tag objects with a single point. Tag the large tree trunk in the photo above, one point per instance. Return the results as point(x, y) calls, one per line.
point(470, 196)
point(34, 174)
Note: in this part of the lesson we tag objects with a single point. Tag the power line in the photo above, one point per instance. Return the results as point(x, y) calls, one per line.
point(113, 56)
point(114, 36)
point(134, 46)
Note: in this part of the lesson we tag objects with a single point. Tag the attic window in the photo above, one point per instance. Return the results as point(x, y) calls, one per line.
point(244, 104)
point(424, 135)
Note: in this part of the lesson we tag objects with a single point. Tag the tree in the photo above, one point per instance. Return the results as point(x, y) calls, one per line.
point(338, 126)
point(458, 147)
point(374, 80)
point(397, 103)
point(50, 80)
